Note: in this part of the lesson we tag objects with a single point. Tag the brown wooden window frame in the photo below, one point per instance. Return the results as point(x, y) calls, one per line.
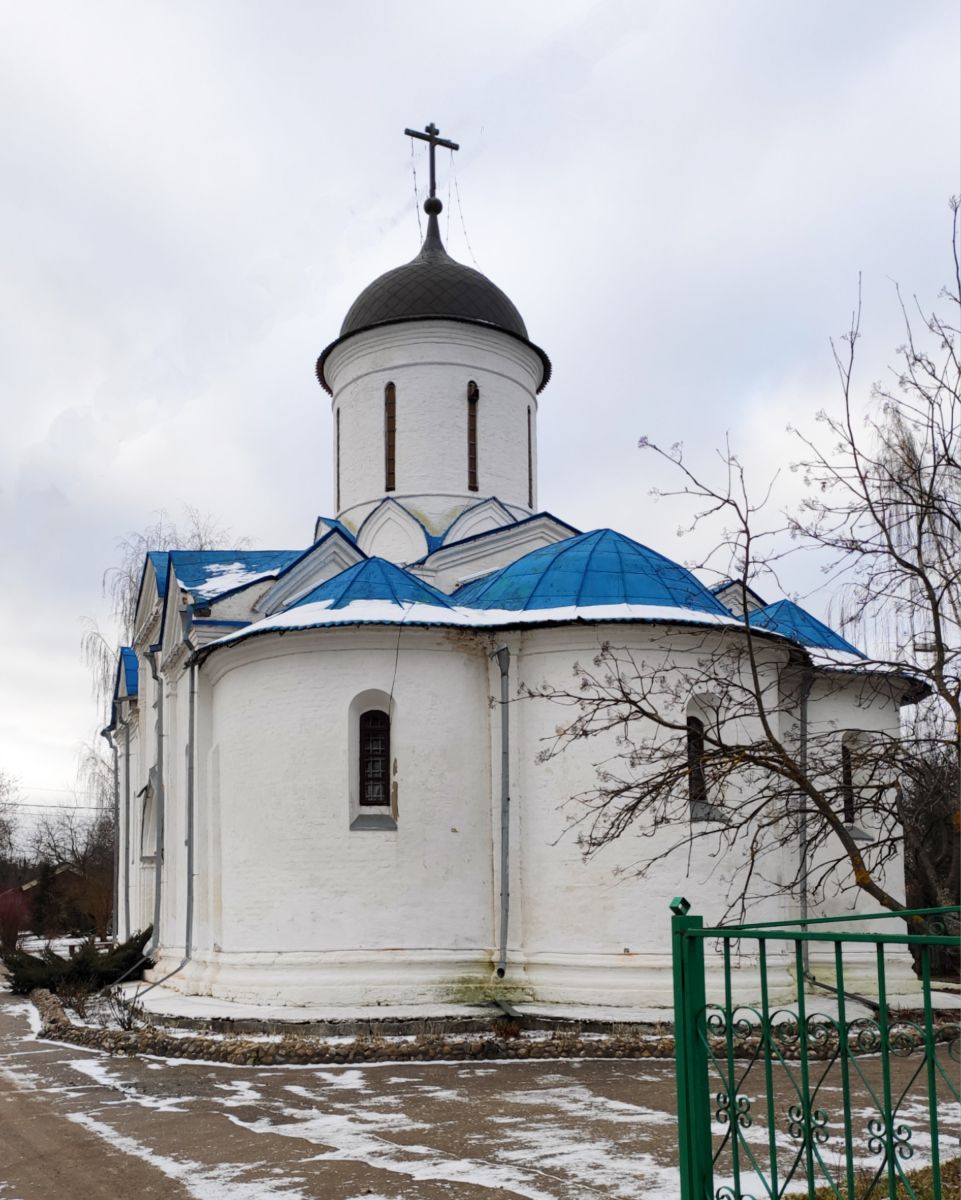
point(696, 782)
point(337, 455)
point(473, 395)
point(847, 786)
point(530, 461)
point(390, 438)
point(373, 741)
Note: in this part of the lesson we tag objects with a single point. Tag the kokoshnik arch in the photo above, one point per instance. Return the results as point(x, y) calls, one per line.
point(327, 792)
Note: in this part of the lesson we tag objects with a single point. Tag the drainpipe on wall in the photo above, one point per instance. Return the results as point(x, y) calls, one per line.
point(126, 824)
point(189, 841)
point(107, 735)
point(154, 655)
point(807, 682)
point(503, 656)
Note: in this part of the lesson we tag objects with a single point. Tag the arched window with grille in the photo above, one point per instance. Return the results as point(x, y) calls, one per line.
point(374, 765)
point(703, 737)
point(696, 781)
point(390, 438)
point(847, 785)
point(371, 762)
point(473, 395)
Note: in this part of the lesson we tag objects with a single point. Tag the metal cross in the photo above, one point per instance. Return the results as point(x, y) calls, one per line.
point(430, 136)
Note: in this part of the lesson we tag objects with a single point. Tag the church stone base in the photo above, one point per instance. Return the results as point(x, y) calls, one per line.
point(360, 979)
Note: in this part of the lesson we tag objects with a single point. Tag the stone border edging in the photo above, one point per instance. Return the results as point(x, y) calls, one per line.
point(55, 1025)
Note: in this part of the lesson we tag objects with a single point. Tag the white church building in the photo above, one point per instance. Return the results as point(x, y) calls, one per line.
point(330, 786)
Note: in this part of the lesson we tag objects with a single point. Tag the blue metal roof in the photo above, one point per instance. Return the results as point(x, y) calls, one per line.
point(592, 569)
point(795, 622)
point(374, 579)
point(333, 523)
point(158, 560)
point(131, 670)
point(199, 570)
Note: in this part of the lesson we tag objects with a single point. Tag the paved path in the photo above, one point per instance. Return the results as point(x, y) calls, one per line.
point(77, 1123)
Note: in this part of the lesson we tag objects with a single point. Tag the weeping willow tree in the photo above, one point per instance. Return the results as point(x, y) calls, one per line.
point(882, 516)
point(100, 648)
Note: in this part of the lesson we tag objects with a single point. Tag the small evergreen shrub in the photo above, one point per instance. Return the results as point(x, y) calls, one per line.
point(89, 968)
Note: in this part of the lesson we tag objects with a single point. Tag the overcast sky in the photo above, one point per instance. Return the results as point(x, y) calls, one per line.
point(678, 196)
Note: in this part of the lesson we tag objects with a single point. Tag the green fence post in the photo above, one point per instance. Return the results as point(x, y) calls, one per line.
point(690, 1031)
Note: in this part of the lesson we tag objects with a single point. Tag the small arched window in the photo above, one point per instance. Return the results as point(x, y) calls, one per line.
point(148, 823)
point(390, 437)
point(696, 782)
point(374, 745)
point(473, 395)
point(847, 784)
point(530, 460)
point(337, 455)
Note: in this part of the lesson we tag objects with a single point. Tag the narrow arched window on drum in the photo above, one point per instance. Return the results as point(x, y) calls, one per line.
point(374, 758)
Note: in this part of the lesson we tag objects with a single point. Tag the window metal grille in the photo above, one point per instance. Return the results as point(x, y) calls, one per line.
point(530, 461)
point(473, 395)
point(847, 785)
point(696, 783)
point(374, 758)
point(390, 436)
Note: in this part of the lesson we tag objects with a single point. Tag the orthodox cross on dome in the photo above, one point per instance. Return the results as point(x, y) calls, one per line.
point(432, 204)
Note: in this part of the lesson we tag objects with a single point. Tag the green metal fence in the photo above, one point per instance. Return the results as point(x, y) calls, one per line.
point(783, 1094)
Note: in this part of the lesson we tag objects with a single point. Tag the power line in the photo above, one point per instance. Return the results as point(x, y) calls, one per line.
point(413, 167)
point(460, 210)
point(46, 807)
point(63, 791)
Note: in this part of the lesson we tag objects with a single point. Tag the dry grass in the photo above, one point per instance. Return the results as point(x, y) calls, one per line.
point(921, 1183)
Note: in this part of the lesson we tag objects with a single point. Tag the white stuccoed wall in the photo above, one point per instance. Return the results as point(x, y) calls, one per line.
point(430, 363)
point(293, 905)
point(594, 932)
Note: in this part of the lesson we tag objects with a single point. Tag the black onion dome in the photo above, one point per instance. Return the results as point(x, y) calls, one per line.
point(433, 285)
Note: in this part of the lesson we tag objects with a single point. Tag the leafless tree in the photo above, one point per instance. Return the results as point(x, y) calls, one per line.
point(8, 794)
point(752, 776)
point(9, 829)
point(83, 841)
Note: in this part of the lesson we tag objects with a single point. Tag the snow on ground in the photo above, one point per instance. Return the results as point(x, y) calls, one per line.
point(201, 1182)
point(97, 1070)
point(533, 1130)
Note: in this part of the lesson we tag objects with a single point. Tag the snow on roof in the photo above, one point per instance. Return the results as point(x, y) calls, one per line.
point(376, 592)
point(796, 623)
point(209, 573)
point(131, 670)
point(597, 569)
point(323, 614)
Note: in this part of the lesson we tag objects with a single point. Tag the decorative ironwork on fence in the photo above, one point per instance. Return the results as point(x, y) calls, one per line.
point(779, 1098)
